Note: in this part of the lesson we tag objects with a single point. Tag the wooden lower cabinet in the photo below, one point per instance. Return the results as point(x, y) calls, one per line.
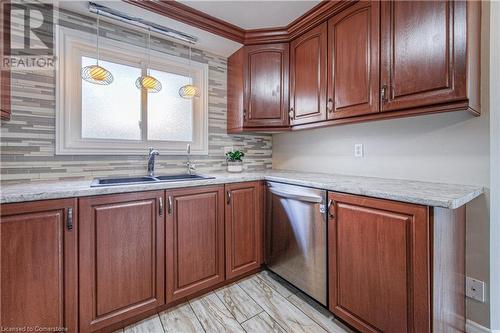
point(103, 262)
point(195, 240)
point(379, 264)
point(121, 257)
point(383, 256)
point(39, 265)
point(243, 228)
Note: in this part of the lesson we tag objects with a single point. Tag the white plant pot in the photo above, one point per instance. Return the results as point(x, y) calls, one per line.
point(234, 166)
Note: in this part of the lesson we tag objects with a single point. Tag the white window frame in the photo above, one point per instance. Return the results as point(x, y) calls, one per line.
point(71, 45)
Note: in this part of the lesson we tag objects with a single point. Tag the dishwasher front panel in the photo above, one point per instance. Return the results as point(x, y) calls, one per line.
point(296, 243)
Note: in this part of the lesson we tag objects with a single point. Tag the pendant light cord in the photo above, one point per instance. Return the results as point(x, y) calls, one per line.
point(149, 51)
point(190, 75)
point(97, 37)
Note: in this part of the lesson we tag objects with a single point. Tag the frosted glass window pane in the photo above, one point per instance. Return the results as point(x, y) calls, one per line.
point(170, 117)
point(112, 111)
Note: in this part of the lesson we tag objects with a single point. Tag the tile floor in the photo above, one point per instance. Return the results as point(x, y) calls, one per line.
point(258, 304)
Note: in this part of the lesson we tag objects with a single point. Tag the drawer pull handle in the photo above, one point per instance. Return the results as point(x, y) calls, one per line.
point(160, 201)
point(331, 203)
point(69, 219)
point(169, 204)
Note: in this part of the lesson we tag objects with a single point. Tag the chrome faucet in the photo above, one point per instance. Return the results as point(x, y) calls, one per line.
point(151, 161)
point(191, 167)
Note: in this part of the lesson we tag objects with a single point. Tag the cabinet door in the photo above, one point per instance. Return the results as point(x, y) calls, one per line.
point(39, 265)
point(423, 53)
point(121, 257)
point(308, 76)
point(379, 259)
point(243, 228)
point(266, 85)
point(353, 61)
point(195, 240)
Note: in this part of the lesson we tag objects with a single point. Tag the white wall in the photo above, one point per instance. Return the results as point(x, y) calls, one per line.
point(450, 148)
point(495, 166)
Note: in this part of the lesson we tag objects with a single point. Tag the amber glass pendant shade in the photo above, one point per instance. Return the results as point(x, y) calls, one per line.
point(148, 82)
point(189, 91)
point(96, 74)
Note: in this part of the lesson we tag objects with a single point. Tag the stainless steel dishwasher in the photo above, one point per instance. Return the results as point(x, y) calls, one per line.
point(296, 237)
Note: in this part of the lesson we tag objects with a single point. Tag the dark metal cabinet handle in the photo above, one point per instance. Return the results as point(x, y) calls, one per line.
point(228, 197)
point(331, 203)
point(245, 114)
point(329, 105)
point(69, 219)
point(169, 204)
point(160, 204)
point(383, 93)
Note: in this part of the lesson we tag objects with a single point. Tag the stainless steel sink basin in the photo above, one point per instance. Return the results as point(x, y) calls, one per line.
point(144, 180)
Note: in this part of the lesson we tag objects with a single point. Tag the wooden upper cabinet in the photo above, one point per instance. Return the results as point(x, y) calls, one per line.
point(195, 240)
point(308, 79)
point(235, 92)
point(353, 61)
point(121, 257)
point(39, 264)
point(379, 264)
point(370, 60)
point(424, 53)
point(243, 228)
point(266, 85)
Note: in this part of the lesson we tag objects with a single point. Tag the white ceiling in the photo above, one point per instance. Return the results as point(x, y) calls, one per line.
point(206, 40)
point(253, 14)
point(245, 14)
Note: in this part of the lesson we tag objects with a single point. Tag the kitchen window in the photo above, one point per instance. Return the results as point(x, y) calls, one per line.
point(120, 119)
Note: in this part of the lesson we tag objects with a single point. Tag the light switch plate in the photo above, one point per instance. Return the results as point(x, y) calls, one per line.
point(358, 150)
point(474, 289)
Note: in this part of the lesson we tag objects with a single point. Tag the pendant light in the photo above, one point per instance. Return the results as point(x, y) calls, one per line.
point(189, 91)
point(147, 82)
point(96, 74)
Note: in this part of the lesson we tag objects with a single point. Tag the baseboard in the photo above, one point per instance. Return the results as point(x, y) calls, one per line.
point(473, 327)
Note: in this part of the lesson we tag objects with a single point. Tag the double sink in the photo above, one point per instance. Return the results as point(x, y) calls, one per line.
point(145, 180)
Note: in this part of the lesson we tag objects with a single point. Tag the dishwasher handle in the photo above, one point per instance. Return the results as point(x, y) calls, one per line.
point(296, 196)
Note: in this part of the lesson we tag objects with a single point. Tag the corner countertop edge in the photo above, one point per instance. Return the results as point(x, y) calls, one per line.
point(450, 196)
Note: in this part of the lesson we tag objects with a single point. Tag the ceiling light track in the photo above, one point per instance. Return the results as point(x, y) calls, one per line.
point(138, 22)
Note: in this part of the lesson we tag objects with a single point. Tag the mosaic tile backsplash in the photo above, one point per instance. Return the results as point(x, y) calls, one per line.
point(28, 139)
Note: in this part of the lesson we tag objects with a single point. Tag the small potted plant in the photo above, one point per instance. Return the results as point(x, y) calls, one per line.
point(234, 161)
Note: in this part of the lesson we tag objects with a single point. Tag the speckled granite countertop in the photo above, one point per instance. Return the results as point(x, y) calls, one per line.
point(424, 193)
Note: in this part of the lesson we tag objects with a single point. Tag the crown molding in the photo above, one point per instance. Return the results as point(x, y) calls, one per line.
point(175, 10)
point(316, 15)
point(191, 16)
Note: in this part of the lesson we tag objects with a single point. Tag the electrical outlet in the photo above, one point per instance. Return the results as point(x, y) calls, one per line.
point(227, 150)
point(358, 150)
point(474, 289)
